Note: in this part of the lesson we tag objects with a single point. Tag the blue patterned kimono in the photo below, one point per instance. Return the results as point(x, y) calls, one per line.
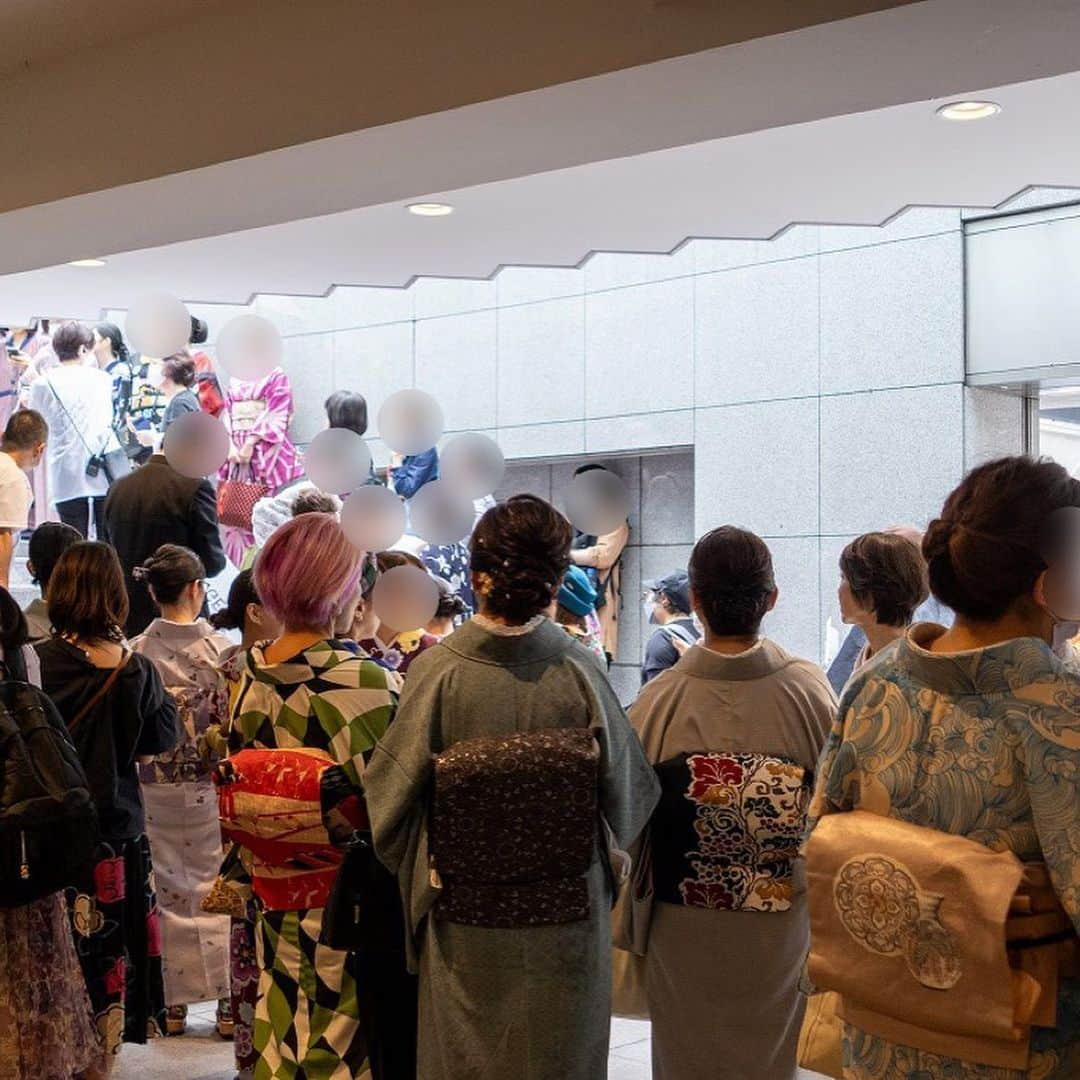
point(983, 744)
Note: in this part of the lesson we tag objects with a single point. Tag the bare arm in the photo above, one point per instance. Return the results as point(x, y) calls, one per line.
point(605, 553)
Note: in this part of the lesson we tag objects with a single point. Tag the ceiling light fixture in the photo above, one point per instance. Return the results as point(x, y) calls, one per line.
point(968, 110)
point(87, 262)
point(430, 209)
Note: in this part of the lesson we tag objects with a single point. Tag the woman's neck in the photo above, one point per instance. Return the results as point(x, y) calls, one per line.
point(179, 613)
point(295, 641)
point(730, 645)
point(170, 390)
point(966, 634)
point(880, 637)
point(386, 634)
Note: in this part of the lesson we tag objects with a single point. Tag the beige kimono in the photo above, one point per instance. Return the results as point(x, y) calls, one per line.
point(722, 984)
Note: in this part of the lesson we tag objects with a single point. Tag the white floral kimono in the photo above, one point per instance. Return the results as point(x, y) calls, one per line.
point(181, 812)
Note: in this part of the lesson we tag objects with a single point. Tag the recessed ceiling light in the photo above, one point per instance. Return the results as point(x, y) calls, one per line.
point(430, 209)
point(968, 110)
point(87, 262)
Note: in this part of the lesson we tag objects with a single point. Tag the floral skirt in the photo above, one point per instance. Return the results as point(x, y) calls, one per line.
point(46, 1026)
point(118, 941)
point(307, 1019)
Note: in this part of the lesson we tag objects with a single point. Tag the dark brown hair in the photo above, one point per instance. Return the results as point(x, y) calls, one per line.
point(887, 574)
point(69, 338)
point(731, 574)
point(25, 430)
point(86, 594)
point(169, 571)
point(523, 548)
point(983, 551)
point(180, 369)
point(314, 502)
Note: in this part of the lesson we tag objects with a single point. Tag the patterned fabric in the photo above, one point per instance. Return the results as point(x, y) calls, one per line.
point(260, 412)
point(307, 1015)
point(513, 828)
point(185, 837)
point(274, 803)
point(47, 1030)
point(244, 972)
point(983, 744)
point(587, 638)
point(328, 698)
point(399, 654)
point(187, 657)
point(451, 562)
point(134, 399)
point(727, 830)
point(118, 941)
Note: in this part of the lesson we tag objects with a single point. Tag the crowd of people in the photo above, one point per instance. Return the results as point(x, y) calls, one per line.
point(496, 855)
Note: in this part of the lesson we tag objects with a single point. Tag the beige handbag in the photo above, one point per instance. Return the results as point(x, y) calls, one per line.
point(822, 1035)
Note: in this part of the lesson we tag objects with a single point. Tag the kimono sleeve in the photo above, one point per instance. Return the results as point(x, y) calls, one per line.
point(1051, 760)
point(400, 768)
point(157, 712)
point(629, 790)
point(837, 764)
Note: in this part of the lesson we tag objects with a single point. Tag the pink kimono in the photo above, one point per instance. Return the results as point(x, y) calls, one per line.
point(259, 412)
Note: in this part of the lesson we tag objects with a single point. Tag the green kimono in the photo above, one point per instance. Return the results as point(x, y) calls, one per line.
point(307, 1024)
point(523, 1003)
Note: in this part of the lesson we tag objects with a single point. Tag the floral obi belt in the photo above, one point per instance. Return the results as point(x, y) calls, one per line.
point(727, 830)
point(294, 810)
point(933, 940)
point(514, 828)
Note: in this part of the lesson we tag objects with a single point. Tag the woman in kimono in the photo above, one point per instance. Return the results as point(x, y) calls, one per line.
point(392, 648)
point(882, 583)
point(307, 689)
point(257, 417)
point(243, 612)
point(729, 927)
point(181, 807)
point(975, 730)
point(520, 1001)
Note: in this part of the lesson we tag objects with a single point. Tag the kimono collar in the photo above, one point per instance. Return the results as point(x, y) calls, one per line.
point(541, 641)
point(762, 658)
point(178, 634)
point(998, 669)
point(319, 656)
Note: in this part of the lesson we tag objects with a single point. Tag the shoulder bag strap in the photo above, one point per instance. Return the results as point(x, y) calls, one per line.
point(105, 687)
point(71, 419)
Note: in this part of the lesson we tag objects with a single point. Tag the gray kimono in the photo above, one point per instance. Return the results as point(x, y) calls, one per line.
point(532, 1004)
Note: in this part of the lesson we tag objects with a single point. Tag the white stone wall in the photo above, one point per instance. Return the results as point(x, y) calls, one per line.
point(818, 379)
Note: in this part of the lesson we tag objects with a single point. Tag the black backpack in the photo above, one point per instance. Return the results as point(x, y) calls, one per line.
point(48, 824)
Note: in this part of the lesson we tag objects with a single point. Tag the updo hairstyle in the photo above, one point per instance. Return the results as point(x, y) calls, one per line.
point(731, 575)
point(983, 551)
point(520, 552)
point(169, 571)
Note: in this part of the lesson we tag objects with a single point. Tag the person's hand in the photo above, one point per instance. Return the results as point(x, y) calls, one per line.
point(681, 647)
point(144, 437)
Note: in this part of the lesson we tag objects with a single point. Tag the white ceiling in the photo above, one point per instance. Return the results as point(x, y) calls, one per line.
point(847, 166)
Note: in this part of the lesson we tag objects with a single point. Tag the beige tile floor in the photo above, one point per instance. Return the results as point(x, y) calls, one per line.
point(201, 1055)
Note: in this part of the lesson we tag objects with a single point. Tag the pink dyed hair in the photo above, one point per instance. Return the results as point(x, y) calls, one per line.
point(307, 571)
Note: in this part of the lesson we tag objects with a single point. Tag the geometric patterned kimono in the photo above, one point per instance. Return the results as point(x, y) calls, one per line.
point(983, 744)
point(307, 1017)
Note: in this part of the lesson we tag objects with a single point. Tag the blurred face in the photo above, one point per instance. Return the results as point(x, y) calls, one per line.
point(851, 611)
point(103, 350)
point(261, 624)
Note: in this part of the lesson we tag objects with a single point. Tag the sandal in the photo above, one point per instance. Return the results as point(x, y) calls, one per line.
point(226, 1024)
point(176, 1020)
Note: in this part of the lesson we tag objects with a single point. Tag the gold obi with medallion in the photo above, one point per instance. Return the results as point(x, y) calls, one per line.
point(933, 940)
